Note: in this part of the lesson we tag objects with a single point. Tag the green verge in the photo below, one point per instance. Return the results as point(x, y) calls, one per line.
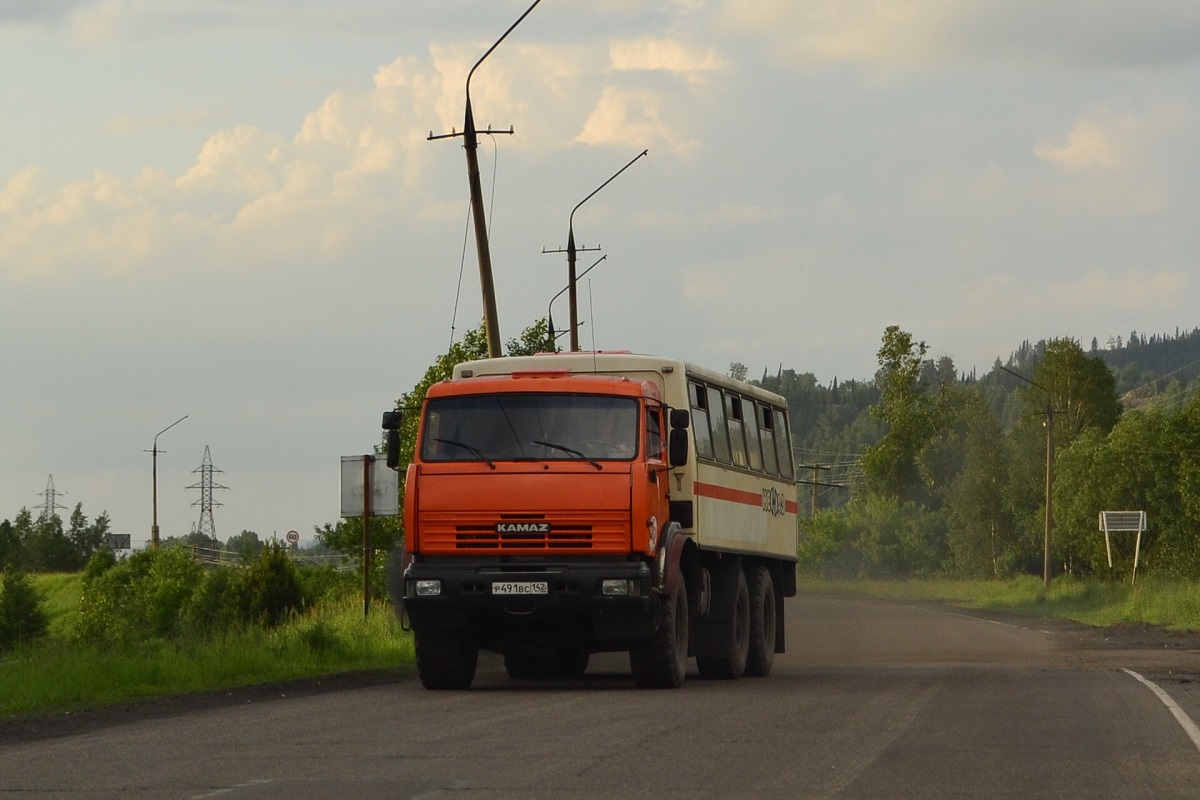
point(1170, 604)
point(58, 674)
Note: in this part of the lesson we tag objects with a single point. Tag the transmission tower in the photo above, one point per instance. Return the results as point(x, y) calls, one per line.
point(50, 507)
point(206, 486)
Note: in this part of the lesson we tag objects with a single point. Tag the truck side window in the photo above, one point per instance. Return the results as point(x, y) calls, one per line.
point(783, 445)
point(753, 442)
point(654, 442)
point(704, 447)
point(720, 432)
point(767, 434)
point(737, 438)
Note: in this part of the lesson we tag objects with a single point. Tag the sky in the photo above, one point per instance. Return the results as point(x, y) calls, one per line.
point(229, 209)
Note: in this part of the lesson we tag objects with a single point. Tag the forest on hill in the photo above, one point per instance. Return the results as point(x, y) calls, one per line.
point(922, 469)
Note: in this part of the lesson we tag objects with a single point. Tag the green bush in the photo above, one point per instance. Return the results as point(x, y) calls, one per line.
point(212, 609)
point(100, 563)
point(327, 584)
point(270, 591)
point(22, 617)
point(138, 598)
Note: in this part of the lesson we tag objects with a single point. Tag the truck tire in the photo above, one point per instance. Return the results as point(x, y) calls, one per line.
point(445, 659)
point(762, 622)
point(660, 660)
point(727, 660)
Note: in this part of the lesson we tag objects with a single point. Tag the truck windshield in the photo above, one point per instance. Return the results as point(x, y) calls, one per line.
point(542, 427)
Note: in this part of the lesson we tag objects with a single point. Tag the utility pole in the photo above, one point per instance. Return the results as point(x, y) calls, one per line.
point(572, 251)
point(815, 483)
point(154, 481)
point(491, 322)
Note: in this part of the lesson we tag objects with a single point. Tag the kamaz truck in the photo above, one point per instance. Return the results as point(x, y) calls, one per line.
point(566, 504)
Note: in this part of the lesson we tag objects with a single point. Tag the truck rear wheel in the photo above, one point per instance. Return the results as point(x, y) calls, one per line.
point(762, 622)
point(660, 660)
point(445, 659)
point(726, 658)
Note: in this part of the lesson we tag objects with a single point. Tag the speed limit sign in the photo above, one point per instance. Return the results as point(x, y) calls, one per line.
point(293, 537)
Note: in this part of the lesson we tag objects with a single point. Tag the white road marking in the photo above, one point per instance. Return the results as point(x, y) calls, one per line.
point(1181, 716)
point(234, 788)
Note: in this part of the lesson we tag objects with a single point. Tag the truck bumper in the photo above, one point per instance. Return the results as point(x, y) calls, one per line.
point(574, 605)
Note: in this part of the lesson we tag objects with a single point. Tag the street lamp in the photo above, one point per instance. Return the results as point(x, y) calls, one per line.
point(1049, 472)
point(571, 252)
point(154, 479)
point(491, 323)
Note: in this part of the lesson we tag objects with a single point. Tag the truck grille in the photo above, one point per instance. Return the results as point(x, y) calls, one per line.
point(446, 533)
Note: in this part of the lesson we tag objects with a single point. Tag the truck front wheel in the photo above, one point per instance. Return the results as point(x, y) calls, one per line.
point(446, 659)
point(660, 660)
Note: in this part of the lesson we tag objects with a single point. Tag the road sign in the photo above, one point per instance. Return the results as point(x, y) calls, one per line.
point(293, 537)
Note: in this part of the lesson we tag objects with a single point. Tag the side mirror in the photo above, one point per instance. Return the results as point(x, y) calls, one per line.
point(393, 449)
point(681, 418)
point(678, 445)
point(391, 423)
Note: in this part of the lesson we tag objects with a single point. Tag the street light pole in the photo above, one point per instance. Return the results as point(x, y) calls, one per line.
point(491, 323)
point(571, 252)
point(1049, 473)
point(154, 481)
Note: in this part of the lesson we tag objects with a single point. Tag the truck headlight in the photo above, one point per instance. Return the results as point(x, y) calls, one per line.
point(428, 588)
point(615, 587)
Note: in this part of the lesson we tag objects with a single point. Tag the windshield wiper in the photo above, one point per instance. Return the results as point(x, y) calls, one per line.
point(475, 451)
point(571, 451)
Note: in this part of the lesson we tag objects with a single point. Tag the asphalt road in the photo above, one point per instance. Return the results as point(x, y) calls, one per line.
point(873, 699)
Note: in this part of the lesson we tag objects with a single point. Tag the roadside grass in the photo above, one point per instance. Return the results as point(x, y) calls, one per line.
point(60, 591)
point(1173, 604)
point(59, 674)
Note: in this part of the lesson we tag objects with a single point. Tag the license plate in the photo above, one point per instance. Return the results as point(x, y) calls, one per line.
point(520, 587)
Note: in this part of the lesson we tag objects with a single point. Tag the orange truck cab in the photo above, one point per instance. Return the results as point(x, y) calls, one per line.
point(546, 519)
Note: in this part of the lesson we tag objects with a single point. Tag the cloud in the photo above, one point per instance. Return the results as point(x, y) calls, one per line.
point(1088, 145)
point(1119, 163)
point(241, 160)
point(633, 118)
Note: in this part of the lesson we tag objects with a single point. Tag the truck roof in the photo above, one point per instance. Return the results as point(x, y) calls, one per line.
point(546, 381)
point(658, 369)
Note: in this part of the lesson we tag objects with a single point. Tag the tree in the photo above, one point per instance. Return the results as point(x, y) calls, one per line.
point(905, 405)
point(269, 591)
point(87, 538)
point(246, 544)
point(22, 616)
point(979, 530)
point(11, 546)
point(1083, 392)
point(48, 547)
